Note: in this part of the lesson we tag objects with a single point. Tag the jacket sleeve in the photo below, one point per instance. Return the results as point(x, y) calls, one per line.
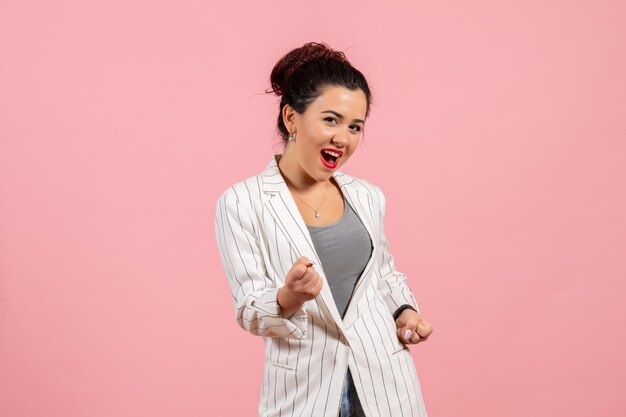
point(392, 283)
point(254, 293)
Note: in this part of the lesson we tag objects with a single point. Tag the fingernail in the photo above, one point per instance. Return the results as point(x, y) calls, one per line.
point(309, 264)
point(407, 335)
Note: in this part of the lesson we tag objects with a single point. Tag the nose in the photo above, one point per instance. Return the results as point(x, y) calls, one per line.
point(341, 138)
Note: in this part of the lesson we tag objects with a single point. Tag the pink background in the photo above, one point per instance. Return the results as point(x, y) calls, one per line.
point(497, 133)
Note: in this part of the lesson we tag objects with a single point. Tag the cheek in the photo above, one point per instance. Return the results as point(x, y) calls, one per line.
point(347, 155)
point(325, 131)
point(354, 145)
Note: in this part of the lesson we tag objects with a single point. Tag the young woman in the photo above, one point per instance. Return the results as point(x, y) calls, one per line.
point(304, 250)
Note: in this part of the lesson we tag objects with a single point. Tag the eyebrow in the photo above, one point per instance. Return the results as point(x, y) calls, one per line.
point(341, 116)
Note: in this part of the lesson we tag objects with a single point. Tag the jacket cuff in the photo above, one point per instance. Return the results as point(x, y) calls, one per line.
point(401, 309)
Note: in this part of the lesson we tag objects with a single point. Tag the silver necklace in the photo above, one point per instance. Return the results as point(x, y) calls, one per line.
point(317, 213)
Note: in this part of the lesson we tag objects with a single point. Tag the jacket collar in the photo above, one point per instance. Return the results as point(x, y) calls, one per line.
point(284, 210)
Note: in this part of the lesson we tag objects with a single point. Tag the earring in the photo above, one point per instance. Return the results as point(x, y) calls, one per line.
point(292, 137)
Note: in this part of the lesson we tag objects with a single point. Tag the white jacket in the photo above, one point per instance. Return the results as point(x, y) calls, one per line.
point(260, 233)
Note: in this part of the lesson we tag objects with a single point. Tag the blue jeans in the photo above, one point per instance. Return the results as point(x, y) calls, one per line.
point(350, 405)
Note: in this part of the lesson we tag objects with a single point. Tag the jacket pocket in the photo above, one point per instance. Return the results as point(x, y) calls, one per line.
point(382, 327)
point(283, 366)
point(390, 325)
point(399, 349)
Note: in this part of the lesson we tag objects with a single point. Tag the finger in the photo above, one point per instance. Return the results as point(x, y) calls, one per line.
point(308, 276)
point(415, 338)
point(299, 269)
point(318, 286)
point(424, 329)
point(306, 261)
point(400, 334)
point(308, 266)
point(411, 325)
point(404, 334)
point(316, 280)
point(309, 280)
point(408, 336)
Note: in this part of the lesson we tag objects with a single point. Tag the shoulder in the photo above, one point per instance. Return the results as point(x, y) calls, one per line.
point(361, 185)
point(242, 193)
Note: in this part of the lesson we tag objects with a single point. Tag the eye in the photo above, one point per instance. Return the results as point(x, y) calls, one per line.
point(356, 128)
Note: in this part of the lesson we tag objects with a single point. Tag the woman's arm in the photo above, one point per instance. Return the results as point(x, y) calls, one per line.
point(255, 295)
point(392, 284)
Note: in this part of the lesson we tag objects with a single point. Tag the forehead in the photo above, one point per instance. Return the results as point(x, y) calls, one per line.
point(350, 103)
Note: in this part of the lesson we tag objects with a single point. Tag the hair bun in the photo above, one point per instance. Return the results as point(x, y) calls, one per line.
point(293, 60)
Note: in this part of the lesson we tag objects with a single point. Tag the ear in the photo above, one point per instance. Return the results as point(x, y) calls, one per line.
point(289, 117)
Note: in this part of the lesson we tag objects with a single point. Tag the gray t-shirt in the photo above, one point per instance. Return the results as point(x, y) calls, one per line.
point(344, 248)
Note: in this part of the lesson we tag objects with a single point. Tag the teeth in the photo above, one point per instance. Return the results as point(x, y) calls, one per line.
point(335, 154)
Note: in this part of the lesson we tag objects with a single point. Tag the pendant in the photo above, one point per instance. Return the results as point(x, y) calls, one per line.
point(317, 213)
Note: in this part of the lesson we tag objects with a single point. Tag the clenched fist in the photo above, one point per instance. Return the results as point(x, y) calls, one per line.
point(411, 327)
point(302, 283)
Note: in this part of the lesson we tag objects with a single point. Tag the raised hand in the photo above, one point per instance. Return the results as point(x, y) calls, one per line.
point(302, 283)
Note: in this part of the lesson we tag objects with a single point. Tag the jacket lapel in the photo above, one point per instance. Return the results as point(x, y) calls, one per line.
point(284, 210)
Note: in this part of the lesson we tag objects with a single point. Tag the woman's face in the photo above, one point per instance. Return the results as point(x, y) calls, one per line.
point(333, 122)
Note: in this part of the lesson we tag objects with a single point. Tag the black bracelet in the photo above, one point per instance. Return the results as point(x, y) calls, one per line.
point(401, 309)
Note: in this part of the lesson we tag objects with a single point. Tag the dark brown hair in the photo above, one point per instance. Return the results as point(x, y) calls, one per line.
point(301, 74)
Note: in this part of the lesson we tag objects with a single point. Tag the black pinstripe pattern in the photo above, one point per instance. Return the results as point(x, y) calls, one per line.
point(260, 233)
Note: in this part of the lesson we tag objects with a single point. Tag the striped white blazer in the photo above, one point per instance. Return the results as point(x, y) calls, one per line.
point(260, 233)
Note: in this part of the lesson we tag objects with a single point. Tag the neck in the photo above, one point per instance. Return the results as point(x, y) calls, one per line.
point(296, 178)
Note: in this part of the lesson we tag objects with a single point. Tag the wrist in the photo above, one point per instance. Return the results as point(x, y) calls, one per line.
point(401, 309)
point(288, 301)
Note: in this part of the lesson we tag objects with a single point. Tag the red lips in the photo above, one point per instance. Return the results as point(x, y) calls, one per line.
point(329, 164)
